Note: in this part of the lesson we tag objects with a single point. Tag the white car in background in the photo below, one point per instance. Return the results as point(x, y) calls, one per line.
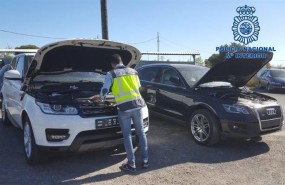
point(53, 100)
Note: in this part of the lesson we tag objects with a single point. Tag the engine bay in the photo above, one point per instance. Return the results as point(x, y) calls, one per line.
point(235, 95)
point(84, 98)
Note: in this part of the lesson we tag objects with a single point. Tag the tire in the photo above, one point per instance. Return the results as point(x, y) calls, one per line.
point(268, 88)
point(5, 119)
point(31, 150)
point(206, 132)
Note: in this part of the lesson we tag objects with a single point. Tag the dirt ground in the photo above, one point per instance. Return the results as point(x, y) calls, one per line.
point(174, 159)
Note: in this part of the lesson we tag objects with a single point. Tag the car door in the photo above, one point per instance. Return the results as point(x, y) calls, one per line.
point(6, 90)
point(170, 94)
point(263, 77)
point(150, 79)
point(15, 91)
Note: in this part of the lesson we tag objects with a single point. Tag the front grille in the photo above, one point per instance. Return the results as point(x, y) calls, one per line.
point(270, 117)
point(90, 111)
point(87, 107)
point(270, 124)
point(274, 112)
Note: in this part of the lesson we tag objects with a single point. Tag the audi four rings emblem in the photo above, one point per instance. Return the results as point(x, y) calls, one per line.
point(271, 111)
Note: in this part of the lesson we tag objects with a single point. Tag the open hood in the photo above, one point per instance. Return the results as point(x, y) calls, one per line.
point(81, 55)
point(236, 71)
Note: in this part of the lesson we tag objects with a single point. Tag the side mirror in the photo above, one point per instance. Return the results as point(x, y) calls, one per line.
point(175, 80)
point(13, 75)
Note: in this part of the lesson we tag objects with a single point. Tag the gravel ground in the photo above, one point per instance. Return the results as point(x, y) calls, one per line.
point(175, 159)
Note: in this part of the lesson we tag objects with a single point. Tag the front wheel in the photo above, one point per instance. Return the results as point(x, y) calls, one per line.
point(204, 127)
point(31, 150)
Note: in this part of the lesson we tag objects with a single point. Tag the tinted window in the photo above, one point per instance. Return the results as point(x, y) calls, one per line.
point(192, 74)
point(29, 60)
point(278, 73)
point(150, 74)
point(13, 63)
point(20, 65)
point(263, 73)
point(166, 74)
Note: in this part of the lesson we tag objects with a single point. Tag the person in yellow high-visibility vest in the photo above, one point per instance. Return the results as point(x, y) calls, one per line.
point(125, 85)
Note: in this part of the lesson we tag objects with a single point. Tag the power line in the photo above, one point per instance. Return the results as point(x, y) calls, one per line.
point(183, 46)
point(29, 35)
point(145, 41)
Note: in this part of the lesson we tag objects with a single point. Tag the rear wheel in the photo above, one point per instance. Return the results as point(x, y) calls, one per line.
point(31, 150)
point(204, 127)
point(5, 119)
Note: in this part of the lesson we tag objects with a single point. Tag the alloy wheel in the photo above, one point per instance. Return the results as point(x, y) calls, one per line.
point(200, 127)
point(28, 140)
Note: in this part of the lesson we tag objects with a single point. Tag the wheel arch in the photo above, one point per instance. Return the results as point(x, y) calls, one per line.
point(23, 116)
point(205, 106)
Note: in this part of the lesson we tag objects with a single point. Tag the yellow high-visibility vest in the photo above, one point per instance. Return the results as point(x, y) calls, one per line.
point(125, 85)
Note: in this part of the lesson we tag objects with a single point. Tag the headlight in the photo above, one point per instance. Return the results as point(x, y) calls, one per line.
point(275, 83)
point(235, 109)
point(57, 109)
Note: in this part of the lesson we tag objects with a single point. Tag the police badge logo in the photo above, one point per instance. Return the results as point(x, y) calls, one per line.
point(245, 27)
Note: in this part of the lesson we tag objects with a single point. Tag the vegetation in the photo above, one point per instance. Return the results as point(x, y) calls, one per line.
point(216, 58)
point(199, 61)
point(29, 46)
point(253, 82)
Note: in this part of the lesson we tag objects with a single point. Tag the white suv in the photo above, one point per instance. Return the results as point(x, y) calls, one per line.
point(53, 100)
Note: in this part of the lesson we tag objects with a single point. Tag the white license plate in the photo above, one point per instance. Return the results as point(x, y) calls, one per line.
point(106, 123)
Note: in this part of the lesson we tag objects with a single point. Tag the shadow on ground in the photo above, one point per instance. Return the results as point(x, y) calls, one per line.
point(169, 144)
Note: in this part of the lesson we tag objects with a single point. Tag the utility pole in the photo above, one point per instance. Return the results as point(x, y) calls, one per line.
point(104, 20)
point(158, 46)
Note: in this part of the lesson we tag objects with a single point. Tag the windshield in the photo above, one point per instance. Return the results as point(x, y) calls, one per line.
point(71, 77)
point(278, 73)
point(192, 74)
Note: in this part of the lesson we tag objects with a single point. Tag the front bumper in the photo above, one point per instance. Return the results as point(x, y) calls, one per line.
point(93, 140)
point(81, 133)
point(241, 129)
point(253, 125)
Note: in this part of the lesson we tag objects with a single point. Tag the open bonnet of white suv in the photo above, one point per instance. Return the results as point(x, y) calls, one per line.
point(81, 55)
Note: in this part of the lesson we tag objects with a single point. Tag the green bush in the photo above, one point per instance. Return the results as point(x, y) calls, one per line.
point(253, 82)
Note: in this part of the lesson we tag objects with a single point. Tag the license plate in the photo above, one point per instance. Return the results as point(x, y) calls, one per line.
point(106, 123)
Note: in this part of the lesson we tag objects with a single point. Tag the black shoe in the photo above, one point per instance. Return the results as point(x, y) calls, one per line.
point(127, 167)
point(145, 164)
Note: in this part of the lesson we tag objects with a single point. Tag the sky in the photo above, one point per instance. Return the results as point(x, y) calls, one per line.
point(183, 25)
